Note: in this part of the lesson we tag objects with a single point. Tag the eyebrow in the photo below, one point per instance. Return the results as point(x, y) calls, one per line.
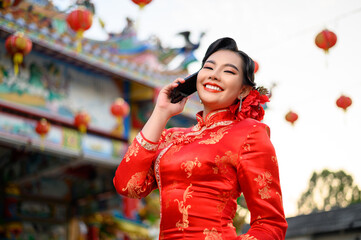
point(227, 64)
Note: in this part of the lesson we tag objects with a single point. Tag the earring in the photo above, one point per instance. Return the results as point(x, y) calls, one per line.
point(240, 104)
point(200, 100)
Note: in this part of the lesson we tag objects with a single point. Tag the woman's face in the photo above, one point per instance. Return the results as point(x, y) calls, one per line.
point(219, 82)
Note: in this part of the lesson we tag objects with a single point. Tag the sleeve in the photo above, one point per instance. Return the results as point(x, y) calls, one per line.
point(134, 176)
point(258, 177)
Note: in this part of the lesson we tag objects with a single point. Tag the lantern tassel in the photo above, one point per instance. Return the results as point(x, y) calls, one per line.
point(82, 129)
point(79, 36)
point(17, 59)
point(42, 144)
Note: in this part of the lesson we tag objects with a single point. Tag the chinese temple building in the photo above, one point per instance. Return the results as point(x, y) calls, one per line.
point(60, 143)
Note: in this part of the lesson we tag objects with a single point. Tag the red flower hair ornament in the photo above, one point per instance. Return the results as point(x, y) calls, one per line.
point(251, 105)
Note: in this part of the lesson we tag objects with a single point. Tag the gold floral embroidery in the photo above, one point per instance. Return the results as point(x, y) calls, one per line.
point(224, 199)
point(215, 136)
point(279, 195)
point(247, 237)
point(183, 209)
point(263, 181)
point(172, 150)
point(212, 234)
point(274, 159)
point(145, 144)
point(189, 165)
point(133, 187)
point(230, 225)
point(132, 150)
point(168, 138)
point(258, 222)
point(221, 162)
point(247, 147)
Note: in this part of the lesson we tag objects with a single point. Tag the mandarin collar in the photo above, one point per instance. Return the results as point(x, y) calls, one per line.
point(214, 117)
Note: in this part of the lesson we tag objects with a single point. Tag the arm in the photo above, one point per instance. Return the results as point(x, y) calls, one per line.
point(134, 176)
point(258, 177)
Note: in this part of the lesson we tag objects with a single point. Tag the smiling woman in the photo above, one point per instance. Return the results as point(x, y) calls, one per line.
point(202, 170)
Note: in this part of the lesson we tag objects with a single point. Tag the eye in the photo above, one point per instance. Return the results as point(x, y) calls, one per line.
point(207, 67)
point(231, 72)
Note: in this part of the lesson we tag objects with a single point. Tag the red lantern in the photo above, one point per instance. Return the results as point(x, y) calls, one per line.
point(141, 3)
point(291, 117)
point(326, 40)
point(8, 3)
point(344, 102)
point(119, 108)
point(81, 121)
point(18, 45)
point(42, 128)
point(256, 66)
point(79, 21)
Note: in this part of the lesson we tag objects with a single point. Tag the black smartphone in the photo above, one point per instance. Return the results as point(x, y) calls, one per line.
point(184, 89)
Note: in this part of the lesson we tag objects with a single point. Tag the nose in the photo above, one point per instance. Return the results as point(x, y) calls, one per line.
point(214, 75)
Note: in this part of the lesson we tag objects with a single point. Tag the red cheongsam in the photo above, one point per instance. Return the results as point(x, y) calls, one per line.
point(201, 171)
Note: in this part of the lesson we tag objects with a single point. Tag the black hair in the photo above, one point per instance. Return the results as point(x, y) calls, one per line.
point(227, 43)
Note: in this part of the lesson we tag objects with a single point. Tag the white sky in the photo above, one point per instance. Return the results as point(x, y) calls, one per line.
point(279, 34)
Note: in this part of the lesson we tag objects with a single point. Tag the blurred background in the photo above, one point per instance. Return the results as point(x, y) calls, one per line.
point(79, 78)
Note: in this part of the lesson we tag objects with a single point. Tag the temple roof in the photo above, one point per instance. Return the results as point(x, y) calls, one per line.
point(121, 55)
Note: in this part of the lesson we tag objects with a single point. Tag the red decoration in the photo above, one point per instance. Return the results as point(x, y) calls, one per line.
point(344, 102)
point(42, 128)
point(291, 117)
point(18, 45)
point(8, 3)
point(79, 21)
point(119, 108)
point(326, 40)
point(81, 121)
point(256, 66)
point(141, 3)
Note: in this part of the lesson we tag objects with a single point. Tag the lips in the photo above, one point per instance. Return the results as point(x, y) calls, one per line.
point(212, 87)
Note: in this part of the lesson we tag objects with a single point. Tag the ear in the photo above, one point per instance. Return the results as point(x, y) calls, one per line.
point(245, 91)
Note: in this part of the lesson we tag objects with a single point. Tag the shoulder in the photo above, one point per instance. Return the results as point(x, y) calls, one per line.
point(250, 125)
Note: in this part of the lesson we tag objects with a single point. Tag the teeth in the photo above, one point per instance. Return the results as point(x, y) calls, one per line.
point(213, 87)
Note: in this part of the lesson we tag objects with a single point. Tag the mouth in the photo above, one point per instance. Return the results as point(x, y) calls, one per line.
point(212, 87)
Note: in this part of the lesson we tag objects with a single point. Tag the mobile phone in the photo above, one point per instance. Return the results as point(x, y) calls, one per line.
point(184, 89)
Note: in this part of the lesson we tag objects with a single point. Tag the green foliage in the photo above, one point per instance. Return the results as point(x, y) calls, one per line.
point(328, 190)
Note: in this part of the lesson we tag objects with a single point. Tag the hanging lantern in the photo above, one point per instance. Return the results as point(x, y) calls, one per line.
point(8, 3)
point(326, 40)
point(18, 45)
point(344, 102)
point(79, 20)
point(291, 117)
point(141, 3)
point(256, 66)
point(119, 109)
point(42, 128)
point(81, 121)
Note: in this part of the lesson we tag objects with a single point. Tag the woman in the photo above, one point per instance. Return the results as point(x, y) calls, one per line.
point(201, 171)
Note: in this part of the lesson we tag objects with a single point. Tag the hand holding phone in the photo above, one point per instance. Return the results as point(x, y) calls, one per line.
point(184, 89)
